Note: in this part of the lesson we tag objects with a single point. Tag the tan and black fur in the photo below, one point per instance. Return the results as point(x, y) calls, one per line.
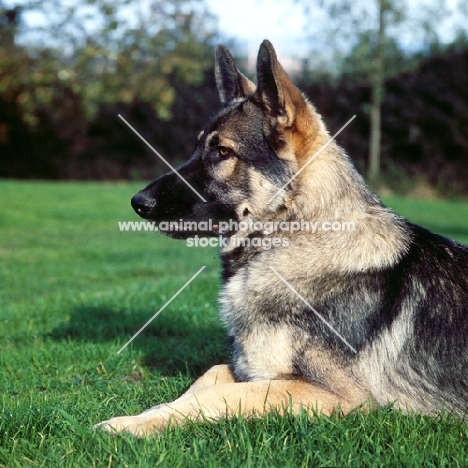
point(396, 292)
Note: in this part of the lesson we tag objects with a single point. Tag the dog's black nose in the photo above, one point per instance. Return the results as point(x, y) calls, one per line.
point(143, 204)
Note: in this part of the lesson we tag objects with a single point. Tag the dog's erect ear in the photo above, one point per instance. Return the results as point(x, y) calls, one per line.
point(280, 98)
point(231, 82)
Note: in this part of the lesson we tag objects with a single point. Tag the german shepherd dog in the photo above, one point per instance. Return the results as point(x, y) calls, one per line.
point(330, 320)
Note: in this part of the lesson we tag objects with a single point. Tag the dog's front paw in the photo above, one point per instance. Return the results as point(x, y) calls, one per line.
point(140, 426)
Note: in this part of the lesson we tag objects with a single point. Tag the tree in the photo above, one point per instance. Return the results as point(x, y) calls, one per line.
point(377, 91)
point(375, 31)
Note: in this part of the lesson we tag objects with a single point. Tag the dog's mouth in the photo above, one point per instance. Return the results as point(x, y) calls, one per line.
point(184, 230)
point(182, 220)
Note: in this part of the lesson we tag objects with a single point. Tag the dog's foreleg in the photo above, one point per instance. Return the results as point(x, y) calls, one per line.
point(232, 399)
point(220, 374)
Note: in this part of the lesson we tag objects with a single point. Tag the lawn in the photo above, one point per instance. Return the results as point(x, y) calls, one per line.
point(74, 290)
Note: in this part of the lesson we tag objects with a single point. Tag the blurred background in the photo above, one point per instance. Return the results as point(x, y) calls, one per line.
point(68, 68)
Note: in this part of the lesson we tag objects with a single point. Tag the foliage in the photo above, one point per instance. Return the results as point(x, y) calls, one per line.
point(102, 51)
point(83, 62)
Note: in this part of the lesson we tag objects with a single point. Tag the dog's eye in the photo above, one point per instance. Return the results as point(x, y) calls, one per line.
point(223, 151)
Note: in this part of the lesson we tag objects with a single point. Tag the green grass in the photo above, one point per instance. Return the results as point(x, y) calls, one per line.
point(73, 291)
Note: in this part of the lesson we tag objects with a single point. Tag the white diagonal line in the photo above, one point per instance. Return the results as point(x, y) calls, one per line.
point(157, 154)
point(161, 309)
point(314, 311)
point(312, 158)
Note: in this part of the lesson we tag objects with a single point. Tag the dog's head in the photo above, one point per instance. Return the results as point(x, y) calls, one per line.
point(244, 157)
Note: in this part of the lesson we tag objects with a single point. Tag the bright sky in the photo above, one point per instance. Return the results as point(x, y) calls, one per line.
point(284, 23)
point(251, 21)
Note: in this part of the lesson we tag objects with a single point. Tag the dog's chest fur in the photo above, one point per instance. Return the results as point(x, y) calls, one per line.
point(270, 325)
point(275, 332)
point(263, 341)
